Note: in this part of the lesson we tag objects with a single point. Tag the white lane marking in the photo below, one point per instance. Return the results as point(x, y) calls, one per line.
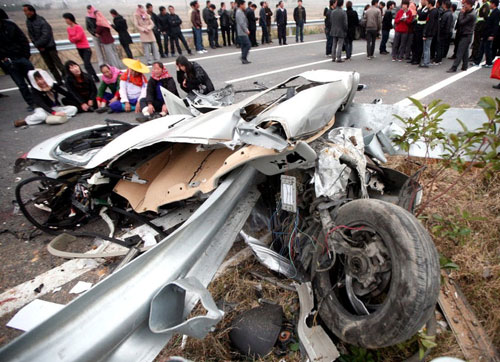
point(218, 56)
point(22, 294)
point(434, 88)
point(284, 69)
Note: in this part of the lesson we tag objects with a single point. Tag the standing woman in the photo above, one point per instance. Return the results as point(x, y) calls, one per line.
point(90, 23)
point(143, 22)
point(81, 86)
point(103, 31)
point(191, 76)
point(77, 36)
point(121, 27)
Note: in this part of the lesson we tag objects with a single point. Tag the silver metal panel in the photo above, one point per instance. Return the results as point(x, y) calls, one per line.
point(110, 321)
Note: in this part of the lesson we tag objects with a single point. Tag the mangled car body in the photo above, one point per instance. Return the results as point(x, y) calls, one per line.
point(374, 268)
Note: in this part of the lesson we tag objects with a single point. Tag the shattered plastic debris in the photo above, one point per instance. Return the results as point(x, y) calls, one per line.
point(331, 176)
point(80, 287)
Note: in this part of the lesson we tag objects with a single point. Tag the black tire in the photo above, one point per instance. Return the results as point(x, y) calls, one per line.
point(53, 225)
point(411, 294)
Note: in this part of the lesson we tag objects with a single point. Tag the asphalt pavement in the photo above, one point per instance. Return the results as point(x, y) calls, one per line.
point(23, 254)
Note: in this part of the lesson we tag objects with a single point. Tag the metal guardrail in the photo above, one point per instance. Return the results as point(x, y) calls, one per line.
point(67, 45)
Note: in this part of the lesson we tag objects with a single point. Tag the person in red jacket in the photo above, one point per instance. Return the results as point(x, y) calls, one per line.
point(404, 17)
point(77, 36)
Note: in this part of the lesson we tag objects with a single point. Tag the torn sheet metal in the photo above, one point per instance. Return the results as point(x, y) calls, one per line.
point(268, 257)
point(331, 176)
point(113, 315)
point(377, 119)
point(168, 316)
point(318, 345)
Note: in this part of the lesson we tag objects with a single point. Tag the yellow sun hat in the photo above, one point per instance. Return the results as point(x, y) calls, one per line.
point(136, 65)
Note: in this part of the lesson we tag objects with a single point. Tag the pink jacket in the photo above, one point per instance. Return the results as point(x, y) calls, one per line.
point(77, 36)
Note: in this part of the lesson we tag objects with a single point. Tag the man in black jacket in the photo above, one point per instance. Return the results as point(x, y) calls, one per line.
point(225, 21)
point(430, 31)
point(252, 24)
point(386, 27)
point(445, 32)
point(175, 32)
point(489, 31)
point(164, 28)
point(212, 27)
point(14, 56)
point(42, 37)
point(465, 29)
point(156, 31)
point(121, 27)
point(263, 23)
point(281, 21)
point(299, 16)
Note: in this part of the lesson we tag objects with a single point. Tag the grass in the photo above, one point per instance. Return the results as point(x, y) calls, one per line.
point(477, 252)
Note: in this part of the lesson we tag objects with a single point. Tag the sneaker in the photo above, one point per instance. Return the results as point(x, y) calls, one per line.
point(244, 61)
point(487, 65)
point(423, 66)
point(200, 52)
point(205, 51)
point(340, 61)
point(393, 59)
point(400, 60)
point(451, 70)
point(496, 86)
point(369, 58)
point(436, 63)
point(190, 52)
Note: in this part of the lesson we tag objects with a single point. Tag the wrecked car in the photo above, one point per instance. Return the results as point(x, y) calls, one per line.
point(333, 214)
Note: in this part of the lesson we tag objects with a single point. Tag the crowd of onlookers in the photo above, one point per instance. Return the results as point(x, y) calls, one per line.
point(422, 36)
point(422, 33)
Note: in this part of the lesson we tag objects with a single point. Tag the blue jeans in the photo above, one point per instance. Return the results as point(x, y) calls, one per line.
point(383, 42)
point(198, 40)
point(427, 51)
point(18, 71)
point(348, 47)
point(245, 44)
point(299, 31)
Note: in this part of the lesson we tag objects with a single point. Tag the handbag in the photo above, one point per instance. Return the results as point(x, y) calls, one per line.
point(495, 70)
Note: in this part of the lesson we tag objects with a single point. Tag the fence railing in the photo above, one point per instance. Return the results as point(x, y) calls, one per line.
point(67, 45)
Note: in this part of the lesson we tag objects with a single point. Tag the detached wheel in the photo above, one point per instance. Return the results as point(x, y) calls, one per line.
point(386, 291)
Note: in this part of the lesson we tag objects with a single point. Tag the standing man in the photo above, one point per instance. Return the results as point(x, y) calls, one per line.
point(373, 23)
point(482, 16)
point(465, 28)
point(175, 32)
point(352, 24)
point(299, 15)
point(281, 22)
point(338, 31)
point(164, 29)
point(386, 27)
point(269, 20)
point(212, 27)
point(263, 23)
point(232, 23)
point(328, 27)
point(15, 55)
point(205, 15)
point(120, 26)
point(42, 37)
point(196, 23)
point(156, 30)
point(430, 31)
point(225, 20)
point(445, 32)
point(242, 31)
point(252, 24)
point(490, 30)
point(418, 33)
